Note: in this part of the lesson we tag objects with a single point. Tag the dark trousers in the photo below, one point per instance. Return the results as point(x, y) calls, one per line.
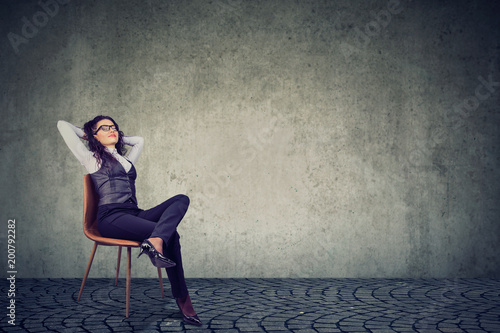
point(127, 221)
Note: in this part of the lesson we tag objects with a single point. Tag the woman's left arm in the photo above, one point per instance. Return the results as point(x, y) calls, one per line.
point(137, 143)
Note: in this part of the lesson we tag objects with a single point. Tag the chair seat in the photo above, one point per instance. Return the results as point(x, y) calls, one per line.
point(93, 234)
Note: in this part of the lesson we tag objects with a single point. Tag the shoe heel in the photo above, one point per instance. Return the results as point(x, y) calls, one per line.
point(144, 249)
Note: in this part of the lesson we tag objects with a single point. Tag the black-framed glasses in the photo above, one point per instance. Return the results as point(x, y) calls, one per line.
point(106, 128)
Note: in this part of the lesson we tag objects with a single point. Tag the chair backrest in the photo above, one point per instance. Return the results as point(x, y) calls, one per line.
point(90, 201)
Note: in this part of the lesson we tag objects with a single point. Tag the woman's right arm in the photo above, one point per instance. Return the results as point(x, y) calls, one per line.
point(72, 135)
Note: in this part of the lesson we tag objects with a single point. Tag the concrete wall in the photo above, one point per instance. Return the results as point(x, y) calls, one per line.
point(314, 138)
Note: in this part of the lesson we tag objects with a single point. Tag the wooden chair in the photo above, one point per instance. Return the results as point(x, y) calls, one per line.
point(90, 201)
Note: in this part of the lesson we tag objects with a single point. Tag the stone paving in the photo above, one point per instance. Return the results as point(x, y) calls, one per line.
point(259, 305)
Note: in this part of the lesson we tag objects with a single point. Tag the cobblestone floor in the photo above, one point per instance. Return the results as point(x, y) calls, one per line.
point(259, 305)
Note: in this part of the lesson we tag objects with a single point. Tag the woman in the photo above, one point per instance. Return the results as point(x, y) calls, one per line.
point(118, 215)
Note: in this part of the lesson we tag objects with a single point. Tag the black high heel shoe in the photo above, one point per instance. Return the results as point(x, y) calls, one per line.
point(193, 320)
point(157, 259)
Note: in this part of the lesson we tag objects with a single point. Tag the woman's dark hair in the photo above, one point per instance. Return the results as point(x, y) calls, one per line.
point(100, 153)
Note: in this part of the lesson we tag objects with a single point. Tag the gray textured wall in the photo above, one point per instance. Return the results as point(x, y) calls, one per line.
point(314, 138)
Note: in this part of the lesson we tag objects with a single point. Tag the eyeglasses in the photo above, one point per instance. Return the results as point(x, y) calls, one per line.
point(106, 128)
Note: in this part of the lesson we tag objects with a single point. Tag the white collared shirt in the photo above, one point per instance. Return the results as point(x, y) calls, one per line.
point(72, 135)
point(123, 161)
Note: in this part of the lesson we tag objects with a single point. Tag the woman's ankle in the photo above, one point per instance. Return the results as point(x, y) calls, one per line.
point(186, 305)
point(157, 242)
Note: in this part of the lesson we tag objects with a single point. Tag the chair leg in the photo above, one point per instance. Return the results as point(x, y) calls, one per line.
point(129, 264)
point(161, 282)
point(118, 264)
point(94, 249)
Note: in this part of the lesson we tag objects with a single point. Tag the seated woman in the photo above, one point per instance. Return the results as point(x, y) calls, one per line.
point(118, 215)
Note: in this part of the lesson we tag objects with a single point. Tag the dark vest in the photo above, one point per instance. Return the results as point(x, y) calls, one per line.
point(114, 184)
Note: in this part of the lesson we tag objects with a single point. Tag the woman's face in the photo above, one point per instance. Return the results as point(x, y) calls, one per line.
point(107, 138)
